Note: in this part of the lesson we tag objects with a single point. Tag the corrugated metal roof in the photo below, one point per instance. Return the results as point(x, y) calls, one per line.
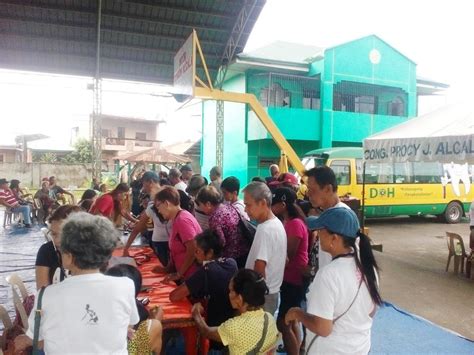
point(139, 38)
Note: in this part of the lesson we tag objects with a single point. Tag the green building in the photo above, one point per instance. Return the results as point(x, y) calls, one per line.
point(318, 98)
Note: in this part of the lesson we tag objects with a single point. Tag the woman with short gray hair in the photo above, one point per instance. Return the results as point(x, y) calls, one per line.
point(88, 313)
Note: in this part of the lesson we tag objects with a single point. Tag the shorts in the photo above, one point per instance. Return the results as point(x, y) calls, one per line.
point(290, 296)
point(271, 303)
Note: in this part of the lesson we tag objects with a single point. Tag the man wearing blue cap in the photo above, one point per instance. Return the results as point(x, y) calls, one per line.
point(344, 295)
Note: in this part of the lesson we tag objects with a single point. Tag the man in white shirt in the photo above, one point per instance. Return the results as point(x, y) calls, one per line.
point(174, 176)
point(230, 191)
point(267, 255)
point(322, 193)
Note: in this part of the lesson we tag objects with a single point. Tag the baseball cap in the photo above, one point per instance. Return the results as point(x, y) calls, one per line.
point(4, 181)
point(285, 178)
point(150, 176)
point(340, 220)
point(283, 194)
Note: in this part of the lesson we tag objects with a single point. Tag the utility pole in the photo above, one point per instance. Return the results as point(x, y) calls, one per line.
point(97, 106)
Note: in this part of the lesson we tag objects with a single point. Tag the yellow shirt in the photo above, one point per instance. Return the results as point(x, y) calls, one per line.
point(242, 333)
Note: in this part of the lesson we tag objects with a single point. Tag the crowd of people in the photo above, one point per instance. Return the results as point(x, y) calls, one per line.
point(289, 258)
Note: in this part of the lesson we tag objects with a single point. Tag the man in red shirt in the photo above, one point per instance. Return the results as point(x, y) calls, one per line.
point(8, 199)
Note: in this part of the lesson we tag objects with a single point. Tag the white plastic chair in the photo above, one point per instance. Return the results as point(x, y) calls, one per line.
point(7, 325)
point(18, 298)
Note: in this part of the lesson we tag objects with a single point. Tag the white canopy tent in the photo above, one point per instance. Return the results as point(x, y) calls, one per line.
point(445, 135)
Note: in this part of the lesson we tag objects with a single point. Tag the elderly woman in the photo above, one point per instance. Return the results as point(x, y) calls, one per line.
point(181, 241)
point(224, 220)
point(49, 266)
point(88, 313)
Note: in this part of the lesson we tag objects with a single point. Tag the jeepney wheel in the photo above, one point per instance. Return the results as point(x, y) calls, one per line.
point(453, 213)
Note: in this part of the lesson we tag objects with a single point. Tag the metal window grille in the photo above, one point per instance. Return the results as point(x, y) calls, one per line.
point(283, 90)
point(350, 96)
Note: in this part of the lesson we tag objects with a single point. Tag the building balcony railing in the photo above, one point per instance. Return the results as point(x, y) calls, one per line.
point(139, 143)
point(114, 141)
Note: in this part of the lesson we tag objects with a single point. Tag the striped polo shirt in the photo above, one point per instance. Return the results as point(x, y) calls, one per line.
point(8, 196)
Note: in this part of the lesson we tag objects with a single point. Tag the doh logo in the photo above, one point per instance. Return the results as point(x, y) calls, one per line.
point(389, 192)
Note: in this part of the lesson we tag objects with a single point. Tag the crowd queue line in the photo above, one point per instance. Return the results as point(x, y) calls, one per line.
point(306, 258)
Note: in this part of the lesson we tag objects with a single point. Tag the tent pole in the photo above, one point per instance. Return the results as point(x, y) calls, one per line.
point(362, 215)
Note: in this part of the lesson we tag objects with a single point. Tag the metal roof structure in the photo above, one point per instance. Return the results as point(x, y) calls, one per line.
point(137, 38)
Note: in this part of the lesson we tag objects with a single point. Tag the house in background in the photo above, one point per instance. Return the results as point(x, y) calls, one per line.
point(123, 136)
point(10, 154)
point(317, 97)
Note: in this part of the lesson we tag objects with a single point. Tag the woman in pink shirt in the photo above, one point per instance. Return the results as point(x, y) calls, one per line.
point(292, 289)
point(181, 242)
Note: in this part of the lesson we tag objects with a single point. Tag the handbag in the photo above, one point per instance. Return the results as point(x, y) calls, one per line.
point(246, 228)
point(36, 350)
point(337, 318)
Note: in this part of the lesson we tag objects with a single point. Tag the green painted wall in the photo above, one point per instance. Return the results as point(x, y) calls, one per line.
point(267, 149)
point(350, 62)
point(346, 67)
point(235, 147)
point(294, 123)
point(208, 143)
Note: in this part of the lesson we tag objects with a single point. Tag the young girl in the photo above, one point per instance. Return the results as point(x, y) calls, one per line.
point(344, 295)
point(253, 331)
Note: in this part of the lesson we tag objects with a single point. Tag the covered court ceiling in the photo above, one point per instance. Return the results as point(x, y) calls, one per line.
point(138, 38)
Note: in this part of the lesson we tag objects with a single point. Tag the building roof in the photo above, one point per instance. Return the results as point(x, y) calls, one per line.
point(425, 86)
point(55, 144)
point(11, 147)
point(291, 56)
point(138, 38)
point(154, 155)
point(130, 119)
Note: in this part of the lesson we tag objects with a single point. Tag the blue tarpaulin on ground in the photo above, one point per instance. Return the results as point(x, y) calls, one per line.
point(398, 332)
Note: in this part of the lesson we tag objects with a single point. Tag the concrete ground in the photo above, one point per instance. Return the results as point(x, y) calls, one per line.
point(413, 276)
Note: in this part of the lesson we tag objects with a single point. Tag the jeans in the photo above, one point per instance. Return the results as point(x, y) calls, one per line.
point(162, 251)
point(25, 211)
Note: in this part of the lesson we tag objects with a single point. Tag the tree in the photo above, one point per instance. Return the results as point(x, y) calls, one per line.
point(82, 152)
point(48, 158)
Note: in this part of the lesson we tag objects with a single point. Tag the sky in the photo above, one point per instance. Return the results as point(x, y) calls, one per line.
point(437, 35)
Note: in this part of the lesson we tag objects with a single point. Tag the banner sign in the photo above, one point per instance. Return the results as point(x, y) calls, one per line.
point(443, 149)
point(184, 68)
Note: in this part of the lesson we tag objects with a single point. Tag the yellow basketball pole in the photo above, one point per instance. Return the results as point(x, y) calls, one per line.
point(261, 113)
point(206, 91)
